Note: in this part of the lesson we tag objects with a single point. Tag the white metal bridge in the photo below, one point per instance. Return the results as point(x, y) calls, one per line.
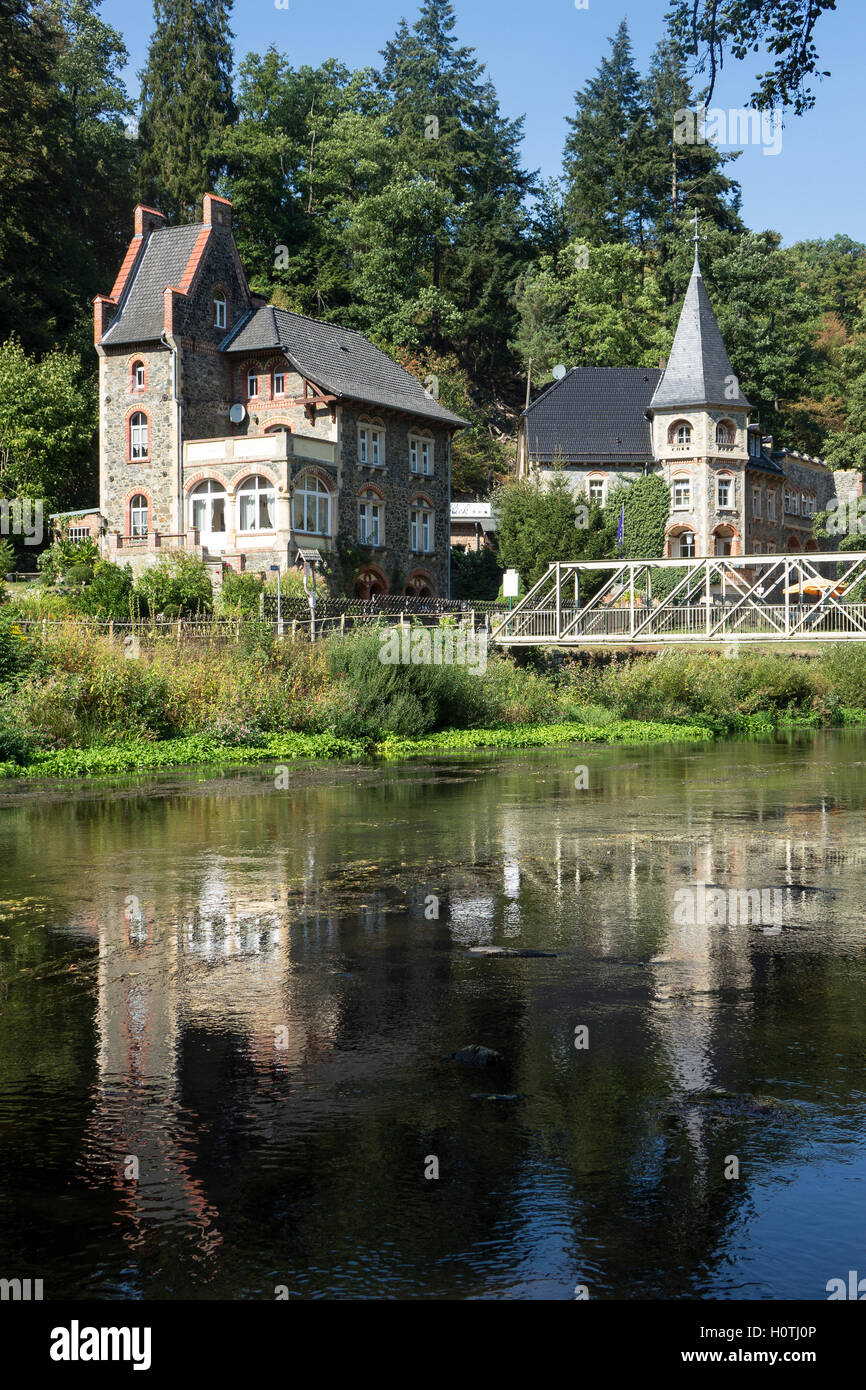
point(718, 600)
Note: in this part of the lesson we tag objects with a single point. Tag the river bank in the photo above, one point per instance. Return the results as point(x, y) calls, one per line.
point(73, 703)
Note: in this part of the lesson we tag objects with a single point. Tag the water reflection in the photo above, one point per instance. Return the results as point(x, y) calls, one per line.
point(225, 1011)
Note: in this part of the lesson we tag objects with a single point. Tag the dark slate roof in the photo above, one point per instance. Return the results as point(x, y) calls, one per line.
point(767, 463)
point(165, 258)
point(699, 371)
point(594, 413)
point(339, 360)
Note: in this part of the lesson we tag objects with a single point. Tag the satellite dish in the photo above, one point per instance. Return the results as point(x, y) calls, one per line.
point(559, 372)
point(237, 414)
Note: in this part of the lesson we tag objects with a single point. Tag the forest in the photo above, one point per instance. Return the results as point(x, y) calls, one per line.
point(395, 200)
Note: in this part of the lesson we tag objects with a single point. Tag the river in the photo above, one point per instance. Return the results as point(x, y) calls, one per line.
point(227, 1009)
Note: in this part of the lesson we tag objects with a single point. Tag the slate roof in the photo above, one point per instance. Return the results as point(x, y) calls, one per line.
point(339, 360)
point(164, 261)
point(699, 371)
point(594, 414)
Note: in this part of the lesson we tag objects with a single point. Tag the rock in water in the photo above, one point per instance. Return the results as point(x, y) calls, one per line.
point(475, 1056)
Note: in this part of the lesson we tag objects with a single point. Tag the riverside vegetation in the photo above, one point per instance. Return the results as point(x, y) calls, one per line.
point(72, 704)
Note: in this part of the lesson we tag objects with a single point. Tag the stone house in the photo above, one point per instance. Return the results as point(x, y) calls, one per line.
point(241, 432)
point(733, 492)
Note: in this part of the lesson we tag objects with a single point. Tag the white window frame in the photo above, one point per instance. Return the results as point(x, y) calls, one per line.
point(206, 495)
point(220, 308)
point(422, 529)
point(596, 483)
point(252, 487)
point(139, 370)
point(371, 445)
point(135, 513)
point(792, 504)
point(725, 480)
point(682, 485)
point(313, 495)
point(771, 504)
point(692, 552)
point(371, 519)
point(279, 376)
point(79, 533)
point(139, 437)
point(253, 375)
point(682, 434)
point(421, 457)
point(730, 433)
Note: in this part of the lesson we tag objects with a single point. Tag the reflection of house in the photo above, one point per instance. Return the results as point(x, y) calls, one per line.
point(732, 493)
point(239, 431)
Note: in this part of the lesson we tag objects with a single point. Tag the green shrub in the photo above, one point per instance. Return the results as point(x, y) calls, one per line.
point(241, 593)
point(7, 558)
point(178, 585)
point(110, 593)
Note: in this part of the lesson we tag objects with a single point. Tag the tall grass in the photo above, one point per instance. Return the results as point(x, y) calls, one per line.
point(75, 688)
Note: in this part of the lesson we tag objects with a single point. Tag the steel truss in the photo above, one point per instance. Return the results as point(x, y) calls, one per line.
point(719, 600)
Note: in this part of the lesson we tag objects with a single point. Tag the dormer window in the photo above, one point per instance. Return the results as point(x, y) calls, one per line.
point(220, 310)
point(755, 444)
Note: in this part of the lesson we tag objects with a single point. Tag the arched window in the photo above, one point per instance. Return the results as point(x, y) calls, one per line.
point(370, 509)
point(680, 433)
point(725, 433)
point(220, 309)
point(723, 543)
point(137, 376)
point(207, 508)
point(139, 444)
point(311, 506)
point(257, 501)
point(139, 510)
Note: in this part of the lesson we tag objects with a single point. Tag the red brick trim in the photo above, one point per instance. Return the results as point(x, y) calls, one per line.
point(127, 508)
point(311, 470)
point(131, 363)
point(371, 487)
point(195, 261)
point(425, 577)
point(209, 475)
point(168, 301)
point(258, 472)
point(377, 571)
point(421, 497)
point(125, 271)
point(102, 306)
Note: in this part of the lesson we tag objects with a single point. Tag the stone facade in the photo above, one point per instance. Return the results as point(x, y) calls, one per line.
point(188, 486)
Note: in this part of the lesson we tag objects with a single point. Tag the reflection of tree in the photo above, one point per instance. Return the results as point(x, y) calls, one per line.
point(304, 1165)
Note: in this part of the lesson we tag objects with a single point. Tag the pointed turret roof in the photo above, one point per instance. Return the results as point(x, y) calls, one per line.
point(699, 371)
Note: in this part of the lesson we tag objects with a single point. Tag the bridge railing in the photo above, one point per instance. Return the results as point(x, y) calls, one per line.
point(715, 599)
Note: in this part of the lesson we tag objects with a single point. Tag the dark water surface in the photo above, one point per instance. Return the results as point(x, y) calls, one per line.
point(245, 992)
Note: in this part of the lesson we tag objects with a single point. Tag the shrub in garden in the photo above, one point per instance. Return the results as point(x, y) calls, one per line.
point(178, 585)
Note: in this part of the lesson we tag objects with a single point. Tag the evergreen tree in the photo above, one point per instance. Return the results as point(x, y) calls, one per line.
point(186, 103)
point(605, 153)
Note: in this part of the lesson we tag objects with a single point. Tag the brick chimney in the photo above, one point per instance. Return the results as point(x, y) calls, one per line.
point(216, 212)
point(146, 219)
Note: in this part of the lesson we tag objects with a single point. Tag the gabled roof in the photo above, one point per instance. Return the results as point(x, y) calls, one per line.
point(594, 414)
point(699, 371)
point(164, 262)
point(339, 360)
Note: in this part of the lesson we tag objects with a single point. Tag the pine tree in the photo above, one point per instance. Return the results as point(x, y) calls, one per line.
point(605, 154)
point(186, 103)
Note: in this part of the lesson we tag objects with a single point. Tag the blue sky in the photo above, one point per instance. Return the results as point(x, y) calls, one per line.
point(538, 53)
